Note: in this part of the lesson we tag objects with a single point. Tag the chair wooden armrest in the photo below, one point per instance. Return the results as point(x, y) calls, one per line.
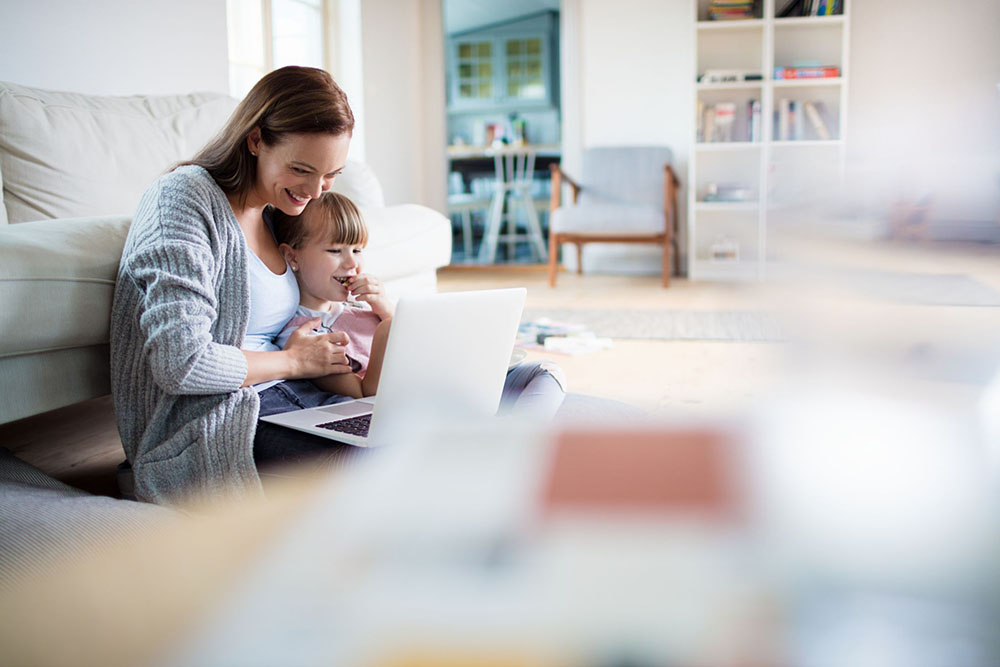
point(558, 176)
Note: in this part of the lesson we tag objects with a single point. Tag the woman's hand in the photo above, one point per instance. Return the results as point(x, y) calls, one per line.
point(315, 355)
point(366, 287)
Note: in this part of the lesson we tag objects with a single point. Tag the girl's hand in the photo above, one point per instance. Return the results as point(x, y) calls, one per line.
point(314, 355)
point(368, 288)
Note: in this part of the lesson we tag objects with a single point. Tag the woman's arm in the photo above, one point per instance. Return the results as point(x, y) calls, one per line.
point(305, 356)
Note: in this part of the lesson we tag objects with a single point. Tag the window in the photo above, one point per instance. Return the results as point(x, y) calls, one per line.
point(267, 34)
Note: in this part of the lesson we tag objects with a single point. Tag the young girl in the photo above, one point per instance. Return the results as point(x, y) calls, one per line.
point(324, 246)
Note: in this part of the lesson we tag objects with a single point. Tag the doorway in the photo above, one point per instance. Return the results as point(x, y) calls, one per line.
point(504, 126)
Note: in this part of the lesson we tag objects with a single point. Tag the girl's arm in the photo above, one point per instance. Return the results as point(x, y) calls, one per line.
point(345, 384)
point(370, 384)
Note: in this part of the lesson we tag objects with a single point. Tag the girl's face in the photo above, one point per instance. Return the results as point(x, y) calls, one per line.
point(296, 169)
point(320, 266)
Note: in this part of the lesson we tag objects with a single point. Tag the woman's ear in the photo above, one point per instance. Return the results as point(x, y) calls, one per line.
point(290, 255)
point(253, 141)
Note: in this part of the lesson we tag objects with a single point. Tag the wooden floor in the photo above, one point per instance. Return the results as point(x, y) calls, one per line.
point(80, 445)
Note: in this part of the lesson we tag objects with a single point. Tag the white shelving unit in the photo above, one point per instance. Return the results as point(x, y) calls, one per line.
point(729, 240)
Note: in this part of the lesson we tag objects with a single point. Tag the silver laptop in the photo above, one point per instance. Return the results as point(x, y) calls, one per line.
point(446, 358)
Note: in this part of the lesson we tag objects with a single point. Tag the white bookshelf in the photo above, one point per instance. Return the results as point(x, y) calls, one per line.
point(779, 174)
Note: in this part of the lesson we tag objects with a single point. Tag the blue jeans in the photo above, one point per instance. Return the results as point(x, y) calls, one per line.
point(275, 444)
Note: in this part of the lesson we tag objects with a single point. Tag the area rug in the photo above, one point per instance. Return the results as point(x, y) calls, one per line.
point(928, 289)
point(734, 325)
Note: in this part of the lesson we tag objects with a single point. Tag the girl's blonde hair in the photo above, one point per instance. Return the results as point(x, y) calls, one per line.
point(290, 100)
point(331, 217)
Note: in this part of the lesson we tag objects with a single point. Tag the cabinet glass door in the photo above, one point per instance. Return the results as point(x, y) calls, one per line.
point(525, 72)
point(475, 70)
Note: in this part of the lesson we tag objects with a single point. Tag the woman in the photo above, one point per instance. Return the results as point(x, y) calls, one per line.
point(202, 289)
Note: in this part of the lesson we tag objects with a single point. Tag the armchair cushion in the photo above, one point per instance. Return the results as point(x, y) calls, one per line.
point(601, 217)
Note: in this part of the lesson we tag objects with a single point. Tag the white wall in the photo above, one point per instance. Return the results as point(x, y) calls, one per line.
point(635, 87)
point(402, 47)
point(115, 47)
point(924, 107)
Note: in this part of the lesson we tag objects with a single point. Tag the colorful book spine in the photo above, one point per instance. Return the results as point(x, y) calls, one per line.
point(806, 72)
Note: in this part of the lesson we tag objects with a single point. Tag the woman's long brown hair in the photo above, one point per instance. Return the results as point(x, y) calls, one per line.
point(290, 100)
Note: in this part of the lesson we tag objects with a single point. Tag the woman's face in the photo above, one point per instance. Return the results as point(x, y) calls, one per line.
point(296, 169)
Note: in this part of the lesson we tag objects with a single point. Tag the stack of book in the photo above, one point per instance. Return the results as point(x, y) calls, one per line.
point(730, 10)
point(792, 116)
point(810, 72)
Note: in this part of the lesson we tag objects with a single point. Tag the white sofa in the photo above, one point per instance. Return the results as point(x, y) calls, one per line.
point(72, 169)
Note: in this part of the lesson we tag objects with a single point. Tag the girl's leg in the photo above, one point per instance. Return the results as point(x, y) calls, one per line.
point(277, 445)
point(533, 390)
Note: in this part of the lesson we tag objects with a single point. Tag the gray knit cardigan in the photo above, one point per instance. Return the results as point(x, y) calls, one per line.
point(180, 311)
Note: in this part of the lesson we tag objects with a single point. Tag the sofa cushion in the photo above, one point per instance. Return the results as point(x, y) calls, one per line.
point(66, 155)
point(57, 279)
point(358, 183)
point(405, 239)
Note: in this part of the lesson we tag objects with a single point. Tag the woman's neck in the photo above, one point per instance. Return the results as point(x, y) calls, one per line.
point(249, 215)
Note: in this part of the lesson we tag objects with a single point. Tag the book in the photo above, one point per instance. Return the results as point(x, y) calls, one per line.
point(798, 121)
point(728, 76)
point(753, 120)
point(725, 116)
point(729, 10)
point(784, 119)
point(700, 131)
point(815, 119)
point(821, 72)
point(791, 8)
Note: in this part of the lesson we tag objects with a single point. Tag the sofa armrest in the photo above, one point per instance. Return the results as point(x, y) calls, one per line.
point(57, 279)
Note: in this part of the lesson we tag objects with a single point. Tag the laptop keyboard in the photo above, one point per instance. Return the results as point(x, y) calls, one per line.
point(353, 425)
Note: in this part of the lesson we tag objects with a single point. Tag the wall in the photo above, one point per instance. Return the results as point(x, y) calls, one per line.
point(924, 105)
point(115, 47)
point(402, 47)
point(634, 89)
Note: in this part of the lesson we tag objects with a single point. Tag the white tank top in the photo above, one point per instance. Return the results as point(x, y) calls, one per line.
point(273, 300)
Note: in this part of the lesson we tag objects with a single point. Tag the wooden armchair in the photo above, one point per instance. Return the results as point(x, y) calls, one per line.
point(627, 195)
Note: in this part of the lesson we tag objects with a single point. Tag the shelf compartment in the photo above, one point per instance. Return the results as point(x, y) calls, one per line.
point(727, 168)
point(820, 43)
point(730, 50)
point(732, 226)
